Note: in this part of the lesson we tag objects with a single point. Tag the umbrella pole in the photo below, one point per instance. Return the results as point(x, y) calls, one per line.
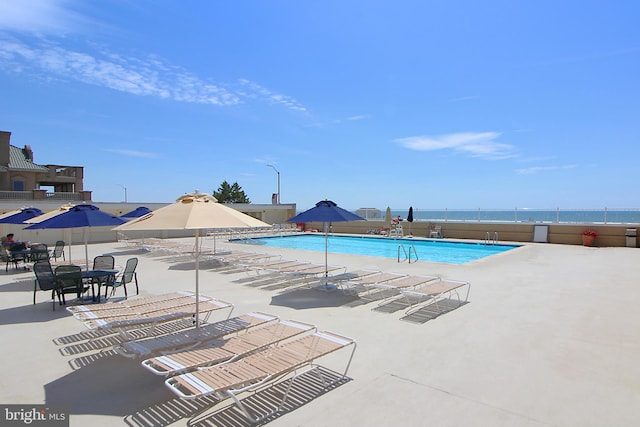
point(197, 279)
point(326, 250)
point(67, 230)
point(86, 249)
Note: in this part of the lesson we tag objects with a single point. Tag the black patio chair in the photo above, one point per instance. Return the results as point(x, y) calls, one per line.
point(39, 252)
point(45, 280)
point(7, 258)
point(102, 262)
point(127, 276)
point(20, 253)
point(58, 251)
point(69, 281)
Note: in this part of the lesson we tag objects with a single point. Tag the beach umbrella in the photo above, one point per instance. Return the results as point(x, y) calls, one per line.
point(326, 212)
point(82, 216)
point(198, 212)
point(136, 213)
point(410, 218)
point(51, 214)
point(19, 216)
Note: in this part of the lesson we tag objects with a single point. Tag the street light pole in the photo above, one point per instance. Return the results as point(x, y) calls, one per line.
point(278, 173)
point(125, 192)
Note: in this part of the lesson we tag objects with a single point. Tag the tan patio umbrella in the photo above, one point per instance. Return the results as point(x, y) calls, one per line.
point(9, 213)
point(199, 212)
point(51, 214)
point(387, 217)
point(62, 209)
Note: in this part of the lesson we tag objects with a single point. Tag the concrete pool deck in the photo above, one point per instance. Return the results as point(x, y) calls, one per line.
point(549, 338)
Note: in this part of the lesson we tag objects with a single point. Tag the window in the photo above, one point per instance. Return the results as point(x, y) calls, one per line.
point(18, 185)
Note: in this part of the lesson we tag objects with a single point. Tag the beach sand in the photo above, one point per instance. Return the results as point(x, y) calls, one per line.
point(549, 337)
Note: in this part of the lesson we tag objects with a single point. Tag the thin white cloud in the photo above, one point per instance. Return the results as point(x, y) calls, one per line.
point(136, 76)
point(257, 91)
point(145, 76)
point(474, 144)
point(538, 169)
point(358, 117)
point(132, 153)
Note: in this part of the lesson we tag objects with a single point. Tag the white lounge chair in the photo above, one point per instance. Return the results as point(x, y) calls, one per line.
point(227, 350)
point(393, 287)
point(193, 337)
point(150, 318)
point(433, 292)
point(260, 369)
point(362, 286)
point(135, 307)
point(436, 231)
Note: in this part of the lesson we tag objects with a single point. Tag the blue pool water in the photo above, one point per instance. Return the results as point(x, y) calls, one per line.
point(427, 250)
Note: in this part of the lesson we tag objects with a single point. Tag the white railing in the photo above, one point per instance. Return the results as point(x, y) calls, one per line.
point(523, 215)
point(28, 195)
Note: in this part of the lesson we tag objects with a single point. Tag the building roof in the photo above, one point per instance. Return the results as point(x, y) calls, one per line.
point(18, 160)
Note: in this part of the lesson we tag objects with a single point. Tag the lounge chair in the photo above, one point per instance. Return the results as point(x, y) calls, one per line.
point(311, 269)
point(343, 281)
point(233, 257)
point(269, 266)
point(311, 273)
point(431, 293)
point(436, 231)
point(364, 285)
point(393, 287)
point(116, 310)
point(304, 270)
point(193, 337)
point(151, 318)
point(260, 369)
point(132, 302)
point(224, 351)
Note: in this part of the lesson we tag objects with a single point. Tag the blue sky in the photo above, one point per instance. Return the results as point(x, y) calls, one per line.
point(434, 104)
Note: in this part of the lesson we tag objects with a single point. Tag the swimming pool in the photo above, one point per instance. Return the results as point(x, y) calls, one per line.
point(427, 250)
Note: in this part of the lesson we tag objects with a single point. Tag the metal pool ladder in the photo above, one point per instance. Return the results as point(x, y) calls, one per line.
point(489, 241)
point(407, 254)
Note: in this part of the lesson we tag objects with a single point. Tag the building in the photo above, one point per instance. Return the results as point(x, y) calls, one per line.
point(21, 179)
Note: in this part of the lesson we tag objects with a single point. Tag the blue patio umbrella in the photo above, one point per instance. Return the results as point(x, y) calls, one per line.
point(80, 216)
point(326, 212)
point(136, 213)
point(18, 217)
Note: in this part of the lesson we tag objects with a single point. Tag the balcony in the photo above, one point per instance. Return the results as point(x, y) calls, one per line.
point(46, 195)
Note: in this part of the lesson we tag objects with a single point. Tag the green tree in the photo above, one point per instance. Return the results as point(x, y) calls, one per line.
point(230, 193)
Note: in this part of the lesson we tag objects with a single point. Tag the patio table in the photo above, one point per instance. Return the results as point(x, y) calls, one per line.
point(98, 277)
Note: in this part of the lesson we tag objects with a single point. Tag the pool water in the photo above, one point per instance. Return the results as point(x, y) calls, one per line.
point(427, 250)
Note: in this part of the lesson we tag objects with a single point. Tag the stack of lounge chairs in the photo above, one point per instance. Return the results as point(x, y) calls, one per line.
point(224, 358)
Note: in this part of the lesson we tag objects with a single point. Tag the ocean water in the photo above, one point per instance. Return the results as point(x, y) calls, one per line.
point(569, 216)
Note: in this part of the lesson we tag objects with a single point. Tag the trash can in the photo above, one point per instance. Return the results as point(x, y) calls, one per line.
point(631, 235)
